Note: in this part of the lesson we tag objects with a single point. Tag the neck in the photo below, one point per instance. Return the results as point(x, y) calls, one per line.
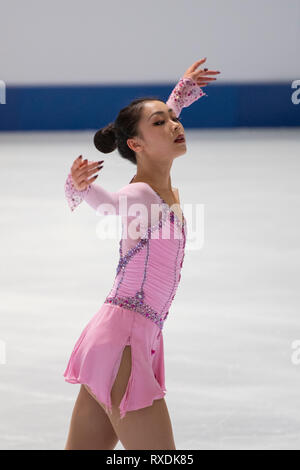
point(159, 178)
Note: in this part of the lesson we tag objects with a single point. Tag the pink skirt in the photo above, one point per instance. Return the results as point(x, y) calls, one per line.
point(97, 354)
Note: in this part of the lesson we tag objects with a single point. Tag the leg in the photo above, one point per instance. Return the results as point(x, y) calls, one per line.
point(146, 428)
point(90, 428)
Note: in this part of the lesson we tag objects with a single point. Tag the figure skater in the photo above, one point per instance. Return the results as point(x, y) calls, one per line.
point(119, 357)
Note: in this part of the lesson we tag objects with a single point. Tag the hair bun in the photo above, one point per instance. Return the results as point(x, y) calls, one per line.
point(105, 139)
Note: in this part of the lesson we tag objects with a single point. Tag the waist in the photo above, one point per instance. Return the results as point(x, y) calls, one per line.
point(137, 304)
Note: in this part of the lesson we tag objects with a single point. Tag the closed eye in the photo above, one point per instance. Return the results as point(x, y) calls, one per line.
point(178, 119)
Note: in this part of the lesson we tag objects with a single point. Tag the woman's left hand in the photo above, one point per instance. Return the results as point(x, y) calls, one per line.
point(200, 76)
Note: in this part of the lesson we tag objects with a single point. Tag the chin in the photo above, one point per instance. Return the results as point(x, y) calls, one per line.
point(181, 152)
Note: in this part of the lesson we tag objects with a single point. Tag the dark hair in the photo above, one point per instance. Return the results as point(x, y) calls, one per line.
point(115, 134)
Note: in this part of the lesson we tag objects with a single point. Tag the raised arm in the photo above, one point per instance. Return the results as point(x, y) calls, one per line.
point(188, 89)
point(184, 94)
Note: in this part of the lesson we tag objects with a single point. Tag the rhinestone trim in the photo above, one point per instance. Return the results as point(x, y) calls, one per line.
point(137, 304)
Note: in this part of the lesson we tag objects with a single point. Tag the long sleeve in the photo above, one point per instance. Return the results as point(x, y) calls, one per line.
point(184, 94)
point(105, 202)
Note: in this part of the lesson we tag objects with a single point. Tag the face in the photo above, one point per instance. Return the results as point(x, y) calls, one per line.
point(158, 128)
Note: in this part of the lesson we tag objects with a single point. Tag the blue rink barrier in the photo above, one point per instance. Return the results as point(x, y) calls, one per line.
point(79, 107)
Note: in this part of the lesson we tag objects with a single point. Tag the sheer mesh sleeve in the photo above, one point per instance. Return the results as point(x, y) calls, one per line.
point(184, 94)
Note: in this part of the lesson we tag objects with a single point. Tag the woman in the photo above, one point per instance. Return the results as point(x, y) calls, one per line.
point(119, 358)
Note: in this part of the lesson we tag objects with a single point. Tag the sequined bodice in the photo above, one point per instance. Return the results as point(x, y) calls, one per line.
point(149, 273)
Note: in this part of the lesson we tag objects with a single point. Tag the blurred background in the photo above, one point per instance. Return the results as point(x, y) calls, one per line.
point(231, 339)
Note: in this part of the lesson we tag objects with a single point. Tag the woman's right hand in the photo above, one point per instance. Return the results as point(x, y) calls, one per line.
point(82, 170)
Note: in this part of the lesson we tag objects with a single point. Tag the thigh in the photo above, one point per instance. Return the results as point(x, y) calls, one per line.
point(146, 428)
point(90, 427)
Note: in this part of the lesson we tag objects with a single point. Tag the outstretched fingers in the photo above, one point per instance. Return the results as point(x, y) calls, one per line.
point(200, 76)
point(82, 170)
point(195, 65)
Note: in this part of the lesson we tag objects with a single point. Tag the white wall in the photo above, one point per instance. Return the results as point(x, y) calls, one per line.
point(125, 41)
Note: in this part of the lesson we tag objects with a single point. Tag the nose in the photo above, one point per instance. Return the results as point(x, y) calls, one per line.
point(177, 125)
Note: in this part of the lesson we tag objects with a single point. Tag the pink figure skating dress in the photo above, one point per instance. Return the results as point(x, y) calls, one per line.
point(147, 277)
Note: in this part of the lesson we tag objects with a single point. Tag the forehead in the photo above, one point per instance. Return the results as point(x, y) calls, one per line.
point(151, 107)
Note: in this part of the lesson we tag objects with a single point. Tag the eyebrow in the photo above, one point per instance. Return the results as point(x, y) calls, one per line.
point(160, 112)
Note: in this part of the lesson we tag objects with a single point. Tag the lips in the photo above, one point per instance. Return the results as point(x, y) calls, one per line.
point(180, 138)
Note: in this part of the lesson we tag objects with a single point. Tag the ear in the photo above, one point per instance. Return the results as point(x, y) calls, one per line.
point(134, 145)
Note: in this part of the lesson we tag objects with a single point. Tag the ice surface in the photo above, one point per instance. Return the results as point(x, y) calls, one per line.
point(231, 382)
